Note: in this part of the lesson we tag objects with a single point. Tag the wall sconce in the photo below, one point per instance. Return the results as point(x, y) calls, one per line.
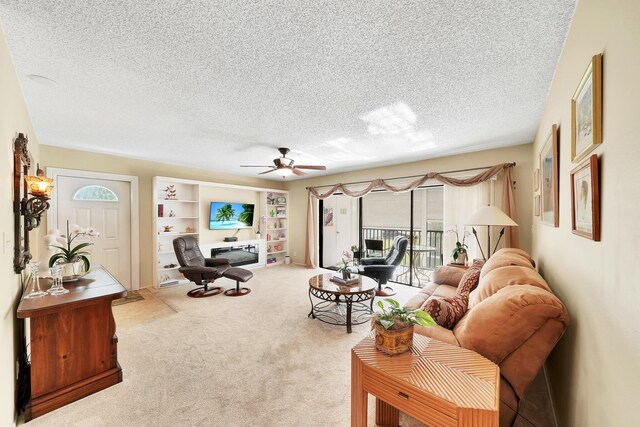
point(27, 210)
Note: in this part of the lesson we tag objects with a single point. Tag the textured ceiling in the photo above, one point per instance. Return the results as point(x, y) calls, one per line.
point(348, 84)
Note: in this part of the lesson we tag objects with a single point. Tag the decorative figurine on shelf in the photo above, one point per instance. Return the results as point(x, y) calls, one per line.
point(170, 265)
point(170, 192)
point(272, 213)
point(164, 278)
point(167, 228)
point(189, 230)
point(270, 200)
point(172, 214)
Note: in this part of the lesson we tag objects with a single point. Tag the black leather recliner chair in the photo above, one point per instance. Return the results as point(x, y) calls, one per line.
point(382, 269)
point(195, 267)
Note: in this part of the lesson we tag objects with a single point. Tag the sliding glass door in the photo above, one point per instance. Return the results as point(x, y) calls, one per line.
point(373, 221)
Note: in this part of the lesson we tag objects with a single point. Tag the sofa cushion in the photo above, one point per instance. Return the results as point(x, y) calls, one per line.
point(502, 323)
point(447, 311)
point(437, 332)
point(516, 251)
point(505, 276)
point(503, 260)
point(430, 289)
point(447, 275)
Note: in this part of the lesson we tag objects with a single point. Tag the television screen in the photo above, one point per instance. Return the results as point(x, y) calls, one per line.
point(229, 216)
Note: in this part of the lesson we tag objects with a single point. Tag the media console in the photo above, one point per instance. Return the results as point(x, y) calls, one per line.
point(245, 253)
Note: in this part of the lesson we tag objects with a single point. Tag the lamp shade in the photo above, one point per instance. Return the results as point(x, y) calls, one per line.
point(39, 186)
point(490, 215)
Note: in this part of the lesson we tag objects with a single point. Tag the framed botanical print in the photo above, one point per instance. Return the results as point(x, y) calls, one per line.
point(586, 111)
point(585, 200)
point(549, 179)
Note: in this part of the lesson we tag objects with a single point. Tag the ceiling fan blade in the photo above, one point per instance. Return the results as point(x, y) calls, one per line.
point(270, 170)
point(321, 168)
point(254, 166)
point(297, 172)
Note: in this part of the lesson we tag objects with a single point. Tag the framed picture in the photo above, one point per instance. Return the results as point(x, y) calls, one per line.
point(536, 204)
point(536, 180)
point(585, 200)
point(549, 179)
point(327, 215)
point(586, 111)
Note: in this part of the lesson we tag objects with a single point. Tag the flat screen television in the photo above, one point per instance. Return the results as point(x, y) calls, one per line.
point(230, 216)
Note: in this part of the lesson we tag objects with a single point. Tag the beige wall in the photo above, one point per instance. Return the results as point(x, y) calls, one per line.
point(522, 175)
point(233, 195)
point(594, 370)
point(14, 118)
point(145, 171)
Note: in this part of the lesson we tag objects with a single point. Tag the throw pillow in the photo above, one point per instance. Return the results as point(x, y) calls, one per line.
point(447, 311)
point(469, 280)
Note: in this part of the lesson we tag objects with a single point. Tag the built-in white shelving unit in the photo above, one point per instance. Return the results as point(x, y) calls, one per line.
point(275, 206)
point(180, 214)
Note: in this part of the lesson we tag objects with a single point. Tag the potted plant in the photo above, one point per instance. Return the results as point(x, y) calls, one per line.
point(394, 327)
point(71, 255)
point(347, 259)
point(459, 252)
point(356, 252)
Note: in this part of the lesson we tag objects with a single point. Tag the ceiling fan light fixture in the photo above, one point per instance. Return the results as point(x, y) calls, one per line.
point(284, 172)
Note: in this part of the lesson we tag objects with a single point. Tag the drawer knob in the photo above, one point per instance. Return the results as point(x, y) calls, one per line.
point(403, 395)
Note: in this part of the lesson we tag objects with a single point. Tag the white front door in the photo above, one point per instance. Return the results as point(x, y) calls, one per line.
point(105, 205)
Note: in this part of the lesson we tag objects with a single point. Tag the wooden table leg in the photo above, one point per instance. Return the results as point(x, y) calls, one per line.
point(386, 415)
point(358, 395)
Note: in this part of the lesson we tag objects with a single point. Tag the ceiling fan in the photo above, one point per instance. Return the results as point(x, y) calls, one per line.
point(284, 166)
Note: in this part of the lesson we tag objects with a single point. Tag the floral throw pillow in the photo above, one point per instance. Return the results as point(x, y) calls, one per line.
point(447, 311)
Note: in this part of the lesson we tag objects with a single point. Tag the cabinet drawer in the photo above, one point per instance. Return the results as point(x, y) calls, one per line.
point(419, 404)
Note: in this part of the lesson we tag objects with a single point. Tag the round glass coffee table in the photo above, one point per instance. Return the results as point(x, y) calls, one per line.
point(341, 304)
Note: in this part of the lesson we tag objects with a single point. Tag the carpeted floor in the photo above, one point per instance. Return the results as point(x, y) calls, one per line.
point(255, 360)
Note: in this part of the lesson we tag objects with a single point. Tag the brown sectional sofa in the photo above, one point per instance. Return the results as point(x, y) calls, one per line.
point(513, 320)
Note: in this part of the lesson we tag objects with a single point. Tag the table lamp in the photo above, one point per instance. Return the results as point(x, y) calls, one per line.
point(490, 215)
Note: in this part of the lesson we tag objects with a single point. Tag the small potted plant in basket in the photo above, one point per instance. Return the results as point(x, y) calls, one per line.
point(394, 326)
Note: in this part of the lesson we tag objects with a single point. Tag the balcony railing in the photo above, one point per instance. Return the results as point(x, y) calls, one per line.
point(426, 258)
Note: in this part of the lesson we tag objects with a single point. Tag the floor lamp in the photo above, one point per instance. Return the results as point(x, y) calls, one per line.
point(490, 216)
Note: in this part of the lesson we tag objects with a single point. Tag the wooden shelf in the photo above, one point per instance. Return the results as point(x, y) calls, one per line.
point(159, 202)
point(276, 252)
point(276, 240)
point(177, 217)
point(176, 234)
point(275, 229)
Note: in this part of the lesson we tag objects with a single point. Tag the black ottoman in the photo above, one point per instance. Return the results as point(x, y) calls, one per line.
point(239, 275)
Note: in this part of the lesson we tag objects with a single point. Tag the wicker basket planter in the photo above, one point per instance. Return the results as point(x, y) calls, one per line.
point(395, 340)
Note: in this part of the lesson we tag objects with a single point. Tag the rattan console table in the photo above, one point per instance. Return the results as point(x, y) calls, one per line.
point(436, 383)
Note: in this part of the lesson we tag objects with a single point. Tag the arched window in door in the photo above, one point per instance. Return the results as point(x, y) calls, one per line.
point(96, 193)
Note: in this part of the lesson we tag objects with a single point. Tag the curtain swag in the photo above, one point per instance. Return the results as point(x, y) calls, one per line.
point(381, 183)
point(508, 198)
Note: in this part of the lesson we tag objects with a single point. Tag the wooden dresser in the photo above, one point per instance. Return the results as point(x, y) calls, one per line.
point(72, 341)
point(436, 383)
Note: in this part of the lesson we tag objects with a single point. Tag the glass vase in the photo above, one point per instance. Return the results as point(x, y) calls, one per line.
point(34, 291)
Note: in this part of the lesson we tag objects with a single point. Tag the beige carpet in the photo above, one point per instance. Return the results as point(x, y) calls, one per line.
point(255, 360)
